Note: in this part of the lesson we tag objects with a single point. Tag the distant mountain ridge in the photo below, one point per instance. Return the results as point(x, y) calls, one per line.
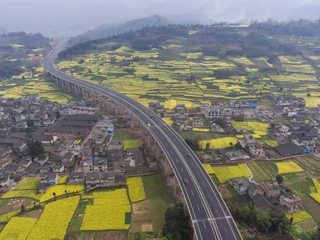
point(109, 29)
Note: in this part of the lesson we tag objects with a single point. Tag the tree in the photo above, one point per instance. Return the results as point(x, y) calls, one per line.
point(30, 123)
point(35, 148)
point(308, 94)
point(58, 115)
point(176, 224)
point(54, 195)
point(279, 179)
point(22, 208)
point(207, 146)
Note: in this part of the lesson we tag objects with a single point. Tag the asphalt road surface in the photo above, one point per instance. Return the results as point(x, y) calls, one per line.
point(209, 214)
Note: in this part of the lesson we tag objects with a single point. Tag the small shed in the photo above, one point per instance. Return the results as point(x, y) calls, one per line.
point(252, 106)
point(306, 150)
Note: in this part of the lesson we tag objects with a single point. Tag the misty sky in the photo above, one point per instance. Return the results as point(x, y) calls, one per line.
point(71, 17)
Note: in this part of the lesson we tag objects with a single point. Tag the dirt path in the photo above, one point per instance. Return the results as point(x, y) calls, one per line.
point(31, 73)
point(251, 173)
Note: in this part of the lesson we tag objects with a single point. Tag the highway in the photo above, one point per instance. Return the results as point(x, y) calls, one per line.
point(209, 214)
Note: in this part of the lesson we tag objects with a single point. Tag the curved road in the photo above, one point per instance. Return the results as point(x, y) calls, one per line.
point(209, 214)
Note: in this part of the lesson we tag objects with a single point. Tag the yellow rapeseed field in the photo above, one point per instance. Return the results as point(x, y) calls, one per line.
point(298, 217)
point(55, 219)
point(131, 144)
point(168, 120)
point(60, 190)
point(28, 183)
point(271, 143)
point(208, 168)
point(18, 228)
point(108, 211)
point(288, 167)
point(136, 189)
point(62, 180)
point(7, 216)
point(315, 191)
point(27, 188)
point(224, 173)
point(201, 129)
point(22, 193)
point(258, 127)
point(218, 143)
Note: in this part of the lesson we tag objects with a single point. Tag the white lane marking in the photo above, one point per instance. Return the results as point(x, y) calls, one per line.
point(225, 230)
point(167, 144)
point(204, 225)
point(217, 213)
point(210, 197)
point(197, 173)
point(198, 207)
point(176, 160)
point(181, 170)
point(192, 193)
point(171, 152)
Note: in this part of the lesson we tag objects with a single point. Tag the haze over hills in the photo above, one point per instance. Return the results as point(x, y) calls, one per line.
point(109, 29)
point(71, 18)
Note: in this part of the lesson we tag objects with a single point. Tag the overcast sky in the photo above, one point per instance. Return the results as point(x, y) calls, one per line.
point(74, 16)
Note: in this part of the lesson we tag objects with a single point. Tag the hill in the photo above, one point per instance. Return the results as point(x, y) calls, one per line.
point(193, 64)
point(20, 49)
point(106, 30)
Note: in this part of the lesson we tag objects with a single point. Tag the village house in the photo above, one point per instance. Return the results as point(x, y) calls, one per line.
point(76, 178)
point(213, 112)
point(257, 150)
point(12, 169)
point(45, 138)
point(49, 178)
point(181, 118)
point(248, 114)
point(240, 184)
point(291, 202)
point(197, 122)
point(4, 180)
point(181, 108)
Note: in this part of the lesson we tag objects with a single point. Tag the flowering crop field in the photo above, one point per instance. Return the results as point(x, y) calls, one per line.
point(271, 143)
point(55, 219)
point(258, 127)
point(108, 211)
point(168, 120)
point(288, 167)
point(224, 173)
point(131, 144)
point(22, 193)
point(18, 228)
point(201, 129)
point(62, 180)
point(28, 183)
point(208, 168)
point(60, 190)
point(6, 217)
point(218, 143)
point(315, 191)
point(298, 217)
point(136, 189)
point(27, 188)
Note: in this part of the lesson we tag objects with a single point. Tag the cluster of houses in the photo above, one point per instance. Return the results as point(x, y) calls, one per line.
point(268, 195)
point(300, 134)
point(77, 142)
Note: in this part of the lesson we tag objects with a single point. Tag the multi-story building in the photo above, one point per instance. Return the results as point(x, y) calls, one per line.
point(197, 122)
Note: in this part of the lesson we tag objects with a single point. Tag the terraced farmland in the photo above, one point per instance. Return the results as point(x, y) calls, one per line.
point(187, 69)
